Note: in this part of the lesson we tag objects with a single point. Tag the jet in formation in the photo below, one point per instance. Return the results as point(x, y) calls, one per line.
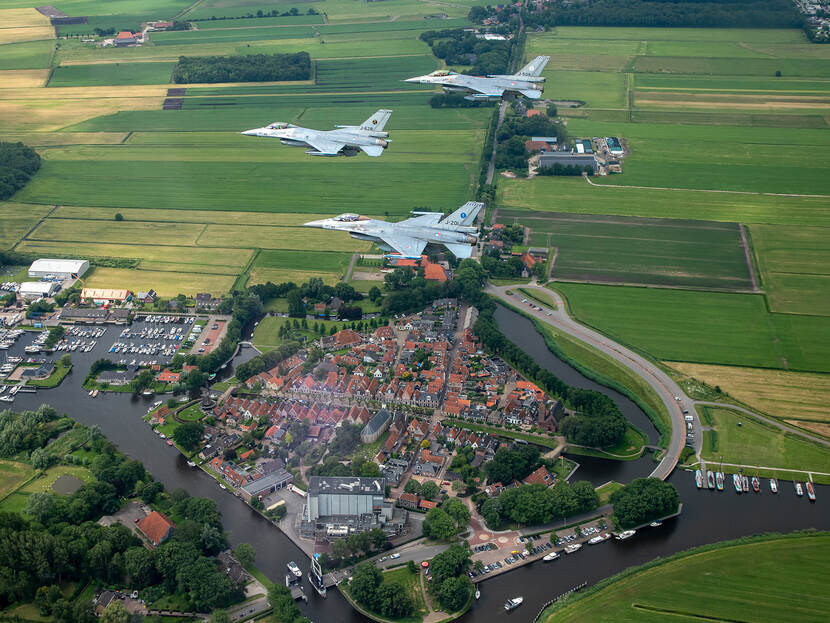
point(345, 140)
point(526, 82)
point(408, 238)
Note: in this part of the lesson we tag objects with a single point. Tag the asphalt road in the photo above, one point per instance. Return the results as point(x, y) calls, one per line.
point(668, 391)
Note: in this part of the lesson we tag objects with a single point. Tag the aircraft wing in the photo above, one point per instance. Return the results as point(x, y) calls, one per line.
point(485, 87)
point(405, 245)
point(425, 219)
point(324, 146)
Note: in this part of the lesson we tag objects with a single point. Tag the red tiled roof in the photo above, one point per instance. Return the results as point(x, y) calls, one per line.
point(156, 527)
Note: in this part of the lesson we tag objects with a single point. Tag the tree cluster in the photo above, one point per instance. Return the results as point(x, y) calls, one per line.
point(457, 47)
point(515, 130)
point(670, 13)
point(564, 169)
point(537, 504)
point(388, 599)
point(456, 100)
point(285, 608)
point(444, 522)
point(292, 12)
point(496, 266)
point(359, 543)
point(644, 500)
point(250, 68)
point(266, 361)
point(18, 163)
point(511, 464)
point(25, 431)
point(450, 583)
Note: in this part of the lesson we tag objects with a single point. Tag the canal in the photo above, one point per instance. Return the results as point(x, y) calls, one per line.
point(707, 516)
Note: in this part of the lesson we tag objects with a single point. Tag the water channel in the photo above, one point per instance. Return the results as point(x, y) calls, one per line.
point(707, 516)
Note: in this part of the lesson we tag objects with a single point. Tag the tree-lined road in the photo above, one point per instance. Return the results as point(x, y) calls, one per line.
point(666, 388)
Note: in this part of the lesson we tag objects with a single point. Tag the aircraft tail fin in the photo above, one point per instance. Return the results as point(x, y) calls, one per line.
point(464, 216)
point(372, 150)
point(377, 121)
point(461, 251)
point(534, 67)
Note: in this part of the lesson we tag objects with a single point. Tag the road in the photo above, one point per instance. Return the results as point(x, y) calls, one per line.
point(666, 388)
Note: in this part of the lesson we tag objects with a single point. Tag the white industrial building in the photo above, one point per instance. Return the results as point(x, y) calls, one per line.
point(31, 290)
point(57, 269)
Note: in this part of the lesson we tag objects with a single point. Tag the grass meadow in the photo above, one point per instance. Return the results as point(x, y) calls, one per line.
point(166, 283)
point(702, 327)
point(612, 249)
point(757, 443)
point(111, 74)
point(12, 474)
point(776, 579)
point(18, 219)
point(799, 397)
point(27, 55)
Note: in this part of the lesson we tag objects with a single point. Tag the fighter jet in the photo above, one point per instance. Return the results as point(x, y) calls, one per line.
point(346, 140)
point(408, 238)
point(527, 82)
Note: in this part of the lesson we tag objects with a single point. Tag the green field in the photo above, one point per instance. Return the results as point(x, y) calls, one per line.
point(795, 267)
point(111, 74)
point(166, 283)
point(12, 474)
point(18, 219)
point(26, 55)
point(702, 327)
point(44, 482)
point(258, 22)
point(187, 37)
point(756, 443)
point(641, 251)
point(326, 261)
point(774, 579)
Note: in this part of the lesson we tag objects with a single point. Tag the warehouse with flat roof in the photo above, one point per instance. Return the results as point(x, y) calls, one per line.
point(31, 290)
point(565, 158)
point(46, 268)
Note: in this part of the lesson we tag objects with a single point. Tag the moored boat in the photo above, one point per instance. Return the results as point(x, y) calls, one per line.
point(745, 484)
point(798, 490)
point(293, 568)
point(598, 539)
point(710, 479)
point(756, 484)
point(736, 481)
point(512, 604)
point(191, 464)
point(811, 492)
point(625, 534)
point(773, 485)
point(656, 524)
point(573, 547)
point(478, 593)
point(551, 556)
point(719, 480)
point(698, 479)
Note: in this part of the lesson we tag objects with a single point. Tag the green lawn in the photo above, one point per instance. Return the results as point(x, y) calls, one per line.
point(539, 297)
point(756, 443)
point(44, 483)
point(114, 74)
point(629, 448)
point(26, 55)
point(191, 414)
point(702, 327)
point(605, 491)
point(779, 579)
point(54, 379)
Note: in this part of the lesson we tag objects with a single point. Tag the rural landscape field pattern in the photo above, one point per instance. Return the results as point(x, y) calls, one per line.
point(709, 251)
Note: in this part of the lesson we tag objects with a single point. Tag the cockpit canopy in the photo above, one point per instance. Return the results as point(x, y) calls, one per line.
point(438, 73)
point(279, 125)
point(348, 217)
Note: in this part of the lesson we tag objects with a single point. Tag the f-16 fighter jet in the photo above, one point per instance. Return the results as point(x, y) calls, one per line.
point(346, 140)
point(409, 237)
point(526, 82)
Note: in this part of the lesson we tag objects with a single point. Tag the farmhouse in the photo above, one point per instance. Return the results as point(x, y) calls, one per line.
point(156, 527)
point(57, 269)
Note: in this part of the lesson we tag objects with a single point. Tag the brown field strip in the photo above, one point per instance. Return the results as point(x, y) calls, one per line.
point(51, 114)
point(21, 18)
point(32, 33)
point(790, 395)
point(23, 78)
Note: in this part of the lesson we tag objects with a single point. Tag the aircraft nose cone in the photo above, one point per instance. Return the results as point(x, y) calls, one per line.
point(415, 79)
point(249, 132)
point(313, 224)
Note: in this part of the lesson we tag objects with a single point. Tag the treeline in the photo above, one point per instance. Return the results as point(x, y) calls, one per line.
point(457, 47)
point(597, 422)
point(564, 169)
point(292, 12)
point(457, 100)
point(251, 68)
point(532, 505)
point(670, 13)
point(18, 163)
point(27, 431)
point(644, 500)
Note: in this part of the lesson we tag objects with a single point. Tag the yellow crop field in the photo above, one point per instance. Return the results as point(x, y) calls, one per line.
point(32, 33)
point(165, 283)
point(17, 219)
point(301, 238)
point(21, 18)
point(130, 232)
point(48, 114)
point(282, 219)
point(223, 257)
point(278, 275)
point(13, 78)
point(786, 395)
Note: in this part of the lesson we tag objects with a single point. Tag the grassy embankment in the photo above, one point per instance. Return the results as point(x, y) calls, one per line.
point(755, 579)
